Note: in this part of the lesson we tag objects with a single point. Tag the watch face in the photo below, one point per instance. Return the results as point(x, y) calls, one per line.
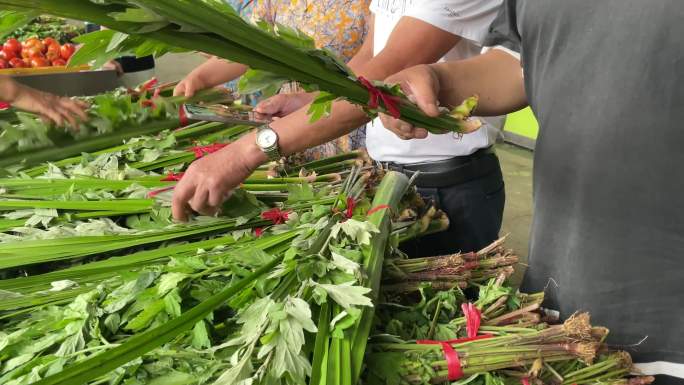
point(266, 138)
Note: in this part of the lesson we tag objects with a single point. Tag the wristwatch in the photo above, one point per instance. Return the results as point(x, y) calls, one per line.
point(267, 141)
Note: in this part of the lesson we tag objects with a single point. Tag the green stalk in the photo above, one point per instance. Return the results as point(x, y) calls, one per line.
point(90, 144)
point(390, 191)
point(188, 132)
point(102, 205)
point(320, 346)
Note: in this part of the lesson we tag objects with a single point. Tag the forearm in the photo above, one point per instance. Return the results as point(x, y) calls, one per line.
point(218, 71)
point(496, 77)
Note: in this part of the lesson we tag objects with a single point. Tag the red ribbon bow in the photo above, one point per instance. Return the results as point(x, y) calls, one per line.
point(276, 215)
point(201, 151)
point(375, 95)
point(473, 318)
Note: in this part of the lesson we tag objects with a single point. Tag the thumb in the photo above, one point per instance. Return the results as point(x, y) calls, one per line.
point(270, 106)
point(423, 93)
point(179, 90)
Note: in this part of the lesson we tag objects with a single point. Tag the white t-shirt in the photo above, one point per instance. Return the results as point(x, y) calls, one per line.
point(469, 19)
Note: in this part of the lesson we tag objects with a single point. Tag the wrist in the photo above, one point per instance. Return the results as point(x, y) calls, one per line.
point(10, 91)
point(252, 155)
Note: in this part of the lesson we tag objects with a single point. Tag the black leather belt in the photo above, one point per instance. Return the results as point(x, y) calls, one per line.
point(452, 171)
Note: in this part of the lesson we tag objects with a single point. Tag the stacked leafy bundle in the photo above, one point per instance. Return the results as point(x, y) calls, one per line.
point(101, 287)
point(432, 334)
point(158, 26)
point(198, 313)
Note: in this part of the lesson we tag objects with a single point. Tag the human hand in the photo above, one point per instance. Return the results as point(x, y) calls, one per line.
point(421, 86)
point(56, 109)
point(210, 180)
point(192, 83)
point(283, 104)
point(114, 65)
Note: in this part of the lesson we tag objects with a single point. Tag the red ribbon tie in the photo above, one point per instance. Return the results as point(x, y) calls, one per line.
point(201, 151)
point(376, 209)
point(351, 205)
point(173, 177)
point(276, 215)
point(473, 318)
point(375, 95)
point(182, 116)
point(148, 85)
point(455, 371)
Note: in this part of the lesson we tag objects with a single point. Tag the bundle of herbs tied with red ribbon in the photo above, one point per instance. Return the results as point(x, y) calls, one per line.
point(430, 332)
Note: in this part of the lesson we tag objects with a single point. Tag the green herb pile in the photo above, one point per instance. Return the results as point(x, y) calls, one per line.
point(45, 26)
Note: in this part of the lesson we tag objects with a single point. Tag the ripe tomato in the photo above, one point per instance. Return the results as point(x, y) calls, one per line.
point(7, 54)
point(67, 50)
point(12, 45)
point(17, 63)
point(39, 62)
point(30, 52)
point(34, 42)
point(53, 52)
point(4, 64)
point(59, 62)
point(48, 41)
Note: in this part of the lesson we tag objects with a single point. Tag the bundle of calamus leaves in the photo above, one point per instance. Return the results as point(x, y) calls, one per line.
point(144, 27)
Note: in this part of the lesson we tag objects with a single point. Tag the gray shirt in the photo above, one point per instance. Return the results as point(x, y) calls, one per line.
point(606, 80)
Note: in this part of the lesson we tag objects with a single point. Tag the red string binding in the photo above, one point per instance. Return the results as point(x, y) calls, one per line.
point(201, 151)
point(376, 209)
point(173, 177)
point(4, 105)
point(375, 95)
point(154, 193)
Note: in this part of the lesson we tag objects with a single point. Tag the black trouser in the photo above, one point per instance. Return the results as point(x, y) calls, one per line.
point(475, 211)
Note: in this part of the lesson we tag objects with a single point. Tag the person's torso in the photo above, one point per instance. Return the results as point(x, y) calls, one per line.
point(606, 81)
point(381, 143)
point(339, 26)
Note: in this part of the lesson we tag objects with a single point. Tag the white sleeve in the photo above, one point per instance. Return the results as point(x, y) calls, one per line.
point(504, 49)
point(469, 19)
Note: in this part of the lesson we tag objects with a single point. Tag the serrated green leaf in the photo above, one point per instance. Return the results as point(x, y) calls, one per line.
point(347, 294)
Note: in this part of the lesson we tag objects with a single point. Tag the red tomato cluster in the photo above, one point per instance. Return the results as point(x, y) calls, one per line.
point(34, 52)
